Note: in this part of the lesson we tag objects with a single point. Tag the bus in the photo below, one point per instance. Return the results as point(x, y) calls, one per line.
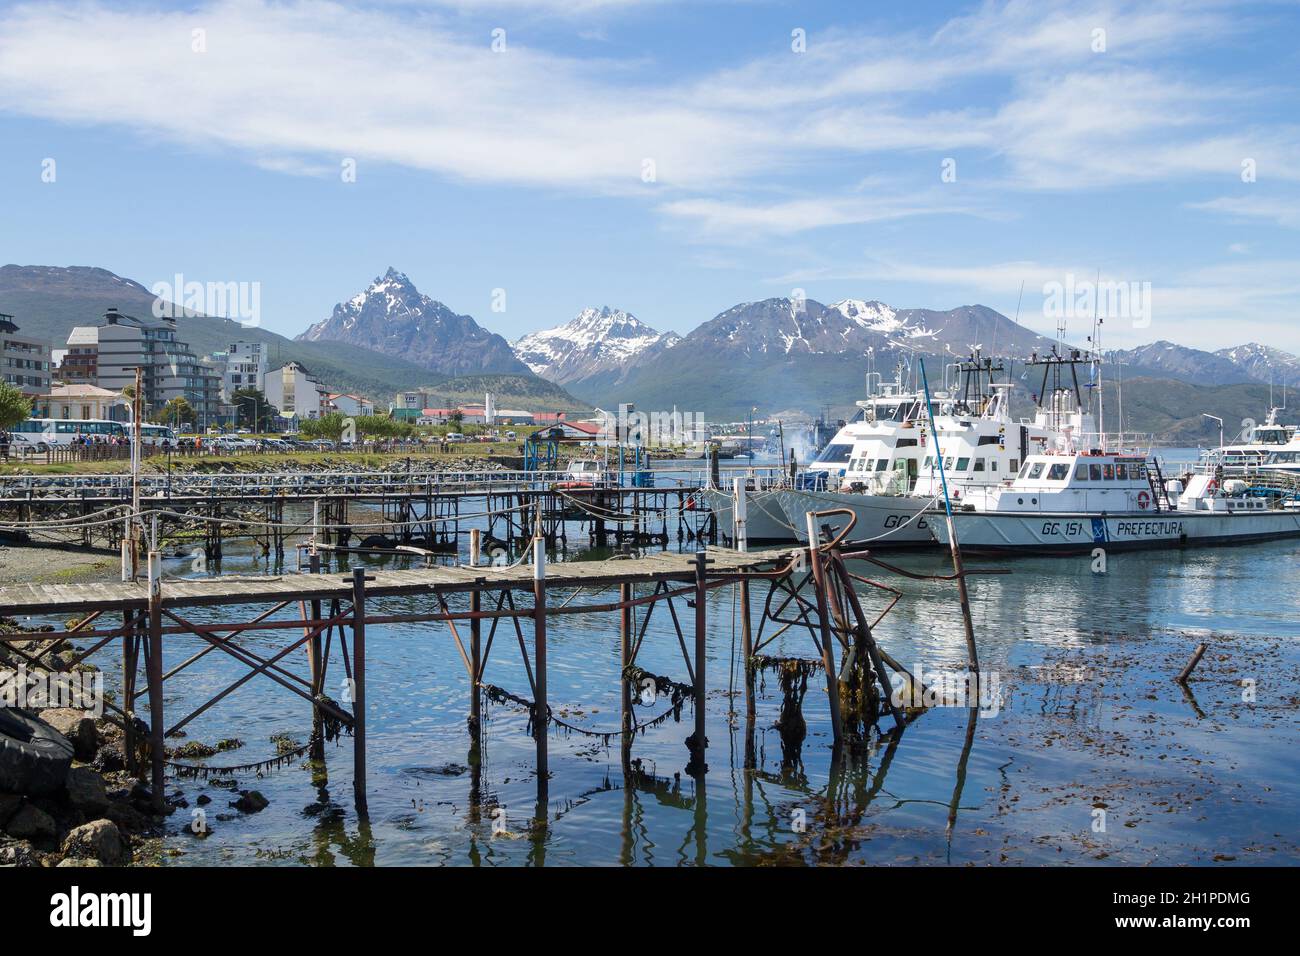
point(36, 435)
point(155, 435)
point(61, 432)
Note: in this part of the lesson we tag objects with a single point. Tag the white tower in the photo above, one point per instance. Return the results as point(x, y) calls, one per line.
point(489, 409)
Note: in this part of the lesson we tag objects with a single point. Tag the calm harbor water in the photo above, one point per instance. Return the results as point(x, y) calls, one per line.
point(1094, 755)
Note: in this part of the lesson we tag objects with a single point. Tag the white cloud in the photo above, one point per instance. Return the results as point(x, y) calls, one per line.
point(300, 83)
point(1283, 212)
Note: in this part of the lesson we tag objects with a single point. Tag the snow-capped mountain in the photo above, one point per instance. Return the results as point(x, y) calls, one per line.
point(1251, 362)
point(595, 342)
point(1264, 363)
point(877, 317)
point(392, 316)
point(796, 327)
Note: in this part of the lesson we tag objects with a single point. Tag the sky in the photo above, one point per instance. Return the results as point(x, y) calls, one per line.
point(520, 160)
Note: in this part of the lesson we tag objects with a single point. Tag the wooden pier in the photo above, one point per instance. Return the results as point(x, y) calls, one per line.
point(326, 618)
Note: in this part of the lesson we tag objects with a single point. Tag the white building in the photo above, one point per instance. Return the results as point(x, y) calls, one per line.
point(293, 392)
point(353, 406)
point(242, 365)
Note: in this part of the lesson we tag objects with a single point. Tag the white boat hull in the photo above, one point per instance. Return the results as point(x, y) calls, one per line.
point(884, 521)
point(1075, 533)
point(764, 519)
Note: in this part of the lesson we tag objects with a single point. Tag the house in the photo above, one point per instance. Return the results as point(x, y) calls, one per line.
point(512, 416)
point(345, 403)
point(81, 402)
point(469, 415)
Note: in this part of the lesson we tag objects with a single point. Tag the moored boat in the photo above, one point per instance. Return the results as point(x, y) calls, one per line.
point(1063, 504)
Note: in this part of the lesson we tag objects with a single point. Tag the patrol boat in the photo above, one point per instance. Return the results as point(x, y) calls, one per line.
point(1065, 504)
point(891, 476)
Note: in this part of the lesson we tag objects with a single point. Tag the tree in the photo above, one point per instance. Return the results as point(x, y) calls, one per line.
point(252, 410)
point(177, 412)
point(15, 407)
point(327, 426)
point(456, 418)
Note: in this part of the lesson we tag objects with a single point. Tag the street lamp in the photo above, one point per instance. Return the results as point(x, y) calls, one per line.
point(1220, 421)
point(253, 399)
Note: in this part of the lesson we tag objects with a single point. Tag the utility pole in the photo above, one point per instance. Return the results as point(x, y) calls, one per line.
point(137, 407)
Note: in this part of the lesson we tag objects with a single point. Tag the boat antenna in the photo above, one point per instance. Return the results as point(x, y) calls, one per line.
point(1096, 345)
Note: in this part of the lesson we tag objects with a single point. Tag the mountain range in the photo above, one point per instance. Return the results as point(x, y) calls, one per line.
point(765, 355)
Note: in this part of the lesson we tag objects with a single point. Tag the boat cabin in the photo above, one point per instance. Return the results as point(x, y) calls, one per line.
point(1094, 483)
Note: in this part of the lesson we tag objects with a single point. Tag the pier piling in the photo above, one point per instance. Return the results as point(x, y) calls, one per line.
point(359, 687)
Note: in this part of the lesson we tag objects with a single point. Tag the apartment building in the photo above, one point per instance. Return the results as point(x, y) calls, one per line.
point(293, 391)
point(24, 361)
point(170, 369)
point(80, 363)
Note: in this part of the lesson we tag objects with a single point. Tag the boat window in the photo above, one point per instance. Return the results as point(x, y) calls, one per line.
point(963, 464)
point(929, 461)
point(947, 463)
point(1012, 465)
point(1121, 471)
point(1108, 471)
point(1094, 471)
point(990, 439)
point(993, 464)
point(1035, 469)
point(906, 443)
point(1058, 472)
point(836, 454)
point(979, 464)
point(1081, 472)
point(882, 464)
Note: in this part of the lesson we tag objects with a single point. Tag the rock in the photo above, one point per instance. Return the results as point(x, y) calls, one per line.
point(74, 861)
point(18, 853)
point(110, 759)
point(98, 840)
point(86, 791)
point(77, 726)
point(9, 804)
point(194, 750)
point(31, 823)
point(127, 817)
point(203, 800)
point(250, 801)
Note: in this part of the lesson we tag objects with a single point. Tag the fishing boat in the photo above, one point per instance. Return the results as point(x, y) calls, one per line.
point(1070, 503)
point(891, 476)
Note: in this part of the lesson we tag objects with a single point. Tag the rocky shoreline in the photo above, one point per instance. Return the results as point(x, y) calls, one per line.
point(96, 814)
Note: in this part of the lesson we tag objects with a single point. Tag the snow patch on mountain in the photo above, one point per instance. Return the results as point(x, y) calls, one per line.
point(596, 340)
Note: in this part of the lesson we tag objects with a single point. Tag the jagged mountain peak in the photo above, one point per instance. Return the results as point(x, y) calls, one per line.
point(597, 341)
point(392, 316)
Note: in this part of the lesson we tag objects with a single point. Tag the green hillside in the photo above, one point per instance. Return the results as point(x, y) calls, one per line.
point(48, 302)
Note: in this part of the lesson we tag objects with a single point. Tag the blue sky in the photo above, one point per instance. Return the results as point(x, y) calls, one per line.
point(523, 168)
